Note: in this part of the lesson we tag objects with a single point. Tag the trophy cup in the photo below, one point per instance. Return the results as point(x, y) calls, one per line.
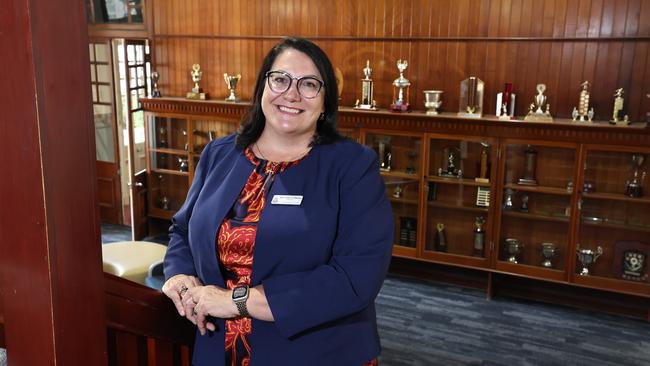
point(618, 108)
point(398, 191)
point(539, 110)
point(164, 202)
point(514, 248)
point(549, 251)
point(366, 91)
point(411, 156)
point(182, 165)
point(507, 199)
point(634, 185)
point(449, 169)
point(584, 114)
point(401, 98)
point(587, 257)
point(155, 93)
point(231, 81)
point(505, 108)
point(385, 156)
point(524, 203)
point(441, 238)
point(162, 134)
point(471, 97)
point(530, 167)
point(432, 101)
point(197, 92)
point(479, 236)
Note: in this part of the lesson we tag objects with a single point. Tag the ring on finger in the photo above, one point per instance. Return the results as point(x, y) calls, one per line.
point(194, 312)
point(182, 291)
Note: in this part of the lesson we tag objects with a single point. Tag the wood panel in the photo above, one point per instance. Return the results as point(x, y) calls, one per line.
point(558, 43)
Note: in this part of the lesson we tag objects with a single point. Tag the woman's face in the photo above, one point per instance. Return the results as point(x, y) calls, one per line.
point(289, 113)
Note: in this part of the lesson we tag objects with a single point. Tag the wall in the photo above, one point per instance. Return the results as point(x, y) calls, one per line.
point(556, 42)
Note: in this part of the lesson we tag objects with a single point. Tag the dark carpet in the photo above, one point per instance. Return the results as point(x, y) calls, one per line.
point(421, 323)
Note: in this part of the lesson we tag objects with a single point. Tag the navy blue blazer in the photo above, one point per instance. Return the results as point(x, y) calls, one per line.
point(322, 262)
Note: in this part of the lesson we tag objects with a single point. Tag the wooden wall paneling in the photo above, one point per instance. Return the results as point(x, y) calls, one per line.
point(635, 94)
point(644, 19)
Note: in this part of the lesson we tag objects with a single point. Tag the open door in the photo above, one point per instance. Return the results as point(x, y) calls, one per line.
point(137, 63)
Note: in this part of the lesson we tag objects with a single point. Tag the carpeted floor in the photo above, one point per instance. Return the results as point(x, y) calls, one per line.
point(427, 324)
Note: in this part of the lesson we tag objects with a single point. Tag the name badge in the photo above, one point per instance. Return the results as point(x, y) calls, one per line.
point(282, 199)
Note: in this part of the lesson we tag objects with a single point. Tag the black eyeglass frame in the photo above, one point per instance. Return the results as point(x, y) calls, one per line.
point(321, 83)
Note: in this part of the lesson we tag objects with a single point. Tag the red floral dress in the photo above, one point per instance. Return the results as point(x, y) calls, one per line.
point(235, 243)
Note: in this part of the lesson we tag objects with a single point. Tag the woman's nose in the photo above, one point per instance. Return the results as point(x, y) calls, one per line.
point(292, 93)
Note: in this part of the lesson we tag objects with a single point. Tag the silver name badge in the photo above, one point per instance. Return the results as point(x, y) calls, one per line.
point(280, 199)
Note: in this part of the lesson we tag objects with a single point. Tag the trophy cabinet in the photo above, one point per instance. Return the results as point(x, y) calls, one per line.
point(545, 210)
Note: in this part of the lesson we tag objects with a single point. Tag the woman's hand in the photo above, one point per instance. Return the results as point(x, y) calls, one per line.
point(176, 288)
point(203, 301)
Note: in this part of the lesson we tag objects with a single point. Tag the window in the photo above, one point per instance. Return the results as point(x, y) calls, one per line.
point(114, 11)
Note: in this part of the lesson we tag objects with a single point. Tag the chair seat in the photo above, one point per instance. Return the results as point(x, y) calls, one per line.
point(131, 259)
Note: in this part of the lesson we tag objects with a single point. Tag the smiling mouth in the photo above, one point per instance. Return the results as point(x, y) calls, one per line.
point(289, 109)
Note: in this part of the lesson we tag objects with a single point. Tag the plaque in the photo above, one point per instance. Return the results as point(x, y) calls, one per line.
point(408, 231)
point(155, 92)
point(197, 92)
point(483, 197)
point(634, 185)
point(367, 102)
point(583, 113)
point(432, 101)
point(471, 97)
point(401, 90)
point(529, 168)
point(631, 260)
point(539, 110)
point(432, 191)
point(231, 82)
point(385, 156)
point(441, 238)
point(505, 108)
point(479, 237)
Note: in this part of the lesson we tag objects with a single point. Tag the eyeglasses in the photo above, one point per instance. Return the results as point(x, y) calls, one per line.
point(280, 82)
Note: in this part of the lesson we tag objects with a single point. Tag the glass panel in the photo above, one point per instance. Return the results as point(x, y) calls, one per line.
point(104, 140)
point(403, 195)
point(105, 95)
point(102, 51)
point(206, 131)
point(140, 76)
point(134, 99)
point(94, 90)
point(133, 78)
point(104, 73)
point(541, 166)
point(130, 52)
point(168, 191)
point(92, 73)
point(91, 53)
point(172, 163)
point(397, 154)
point(169, 133)
point(140, 162)
point(141, 92)
point(139, 54)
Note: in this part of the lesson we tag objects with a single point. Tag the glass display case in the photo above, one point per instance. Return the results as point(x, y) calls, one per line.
point(400, 166)
point(459, 187)
point(536, 202)
point(612, 246)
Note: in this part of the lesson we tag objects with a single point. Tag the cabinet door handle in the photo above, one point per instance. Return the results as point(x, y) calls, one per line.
point(137, 184)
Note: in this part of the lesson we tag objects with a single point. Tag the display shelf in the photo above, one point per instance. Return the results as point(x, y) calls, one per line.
point(400, 174)
point(168, 171)
point(538, 189)
point(533, 216)
point(616, 225)
point(449, 206)
point(404, 201)
point(169, 151)
point(458, 181)
point(615, 197)
point(613, 284)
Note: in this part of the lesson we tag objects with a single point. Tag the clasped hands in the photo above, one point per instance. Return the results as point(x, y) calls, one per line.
point(196, 302)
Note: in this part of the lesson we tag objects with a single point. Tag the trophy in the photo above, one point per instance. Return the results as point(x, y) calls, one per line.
point(631, 260)
point(400, 97)
point(449, 168)
point(164, 202)
point(366, 91)
point(432, 101)
point(506, 103)
point(549, 250)
point(484, 164)
point(155, 93)
point(539, 110)
point(634, 185)
point(479, 236)
point(197, 92)
point(524, 203)
point(583, 112)
point(530, 167)
point(408, 231)
point(441, 238)
point(162, 134)
point(618, 108)
point(471, 97)
point(385, 156)
point(507, 199)
point(587, 257)
point(231, 81)
point(398, 191)
point(183, 167)
point(514, 248)
point(411, 156)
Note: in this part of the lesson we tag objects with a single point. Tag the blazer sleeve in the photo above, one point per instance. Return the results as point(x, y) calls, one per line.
point(178, 259)
point(361, 253)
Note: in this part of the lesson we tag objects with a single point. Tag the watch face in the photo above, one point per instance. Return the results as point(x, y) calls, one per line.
point(239, 292)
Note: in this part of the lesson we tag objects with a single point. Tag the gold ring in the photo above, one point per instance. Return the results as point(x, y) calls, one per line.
point(194, 312)
point(182, 291)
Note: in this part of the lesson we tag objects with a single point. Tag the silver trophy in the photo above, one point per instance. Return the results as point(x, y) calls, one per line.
point(549, 251)
point(367, 102)
point(155, 92)
point(514, 248)
point(401, 89)
point(231, 81)
point(432, 101)
point(587, 257)
point(540, 110)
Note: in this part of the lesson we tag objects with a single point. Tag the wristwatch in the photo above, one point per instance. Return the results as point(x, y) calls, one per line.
point(239, 297)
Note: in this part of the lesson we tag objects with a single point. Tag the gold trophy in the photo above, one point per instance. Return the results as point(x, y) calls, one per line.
point(539, 110)
point(471, 97)
point(583, 113)
point(401, 89)
point(618, 108)
point(366, 91)
point(197, 92)
point(231, 81)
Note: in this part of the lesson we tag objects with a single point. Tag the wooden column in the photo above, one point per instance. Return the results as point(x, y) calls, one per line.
point(50, 258)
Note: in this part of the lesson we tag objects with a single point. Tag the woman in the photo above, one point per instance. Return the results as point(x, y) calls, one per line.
point(284, 240)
